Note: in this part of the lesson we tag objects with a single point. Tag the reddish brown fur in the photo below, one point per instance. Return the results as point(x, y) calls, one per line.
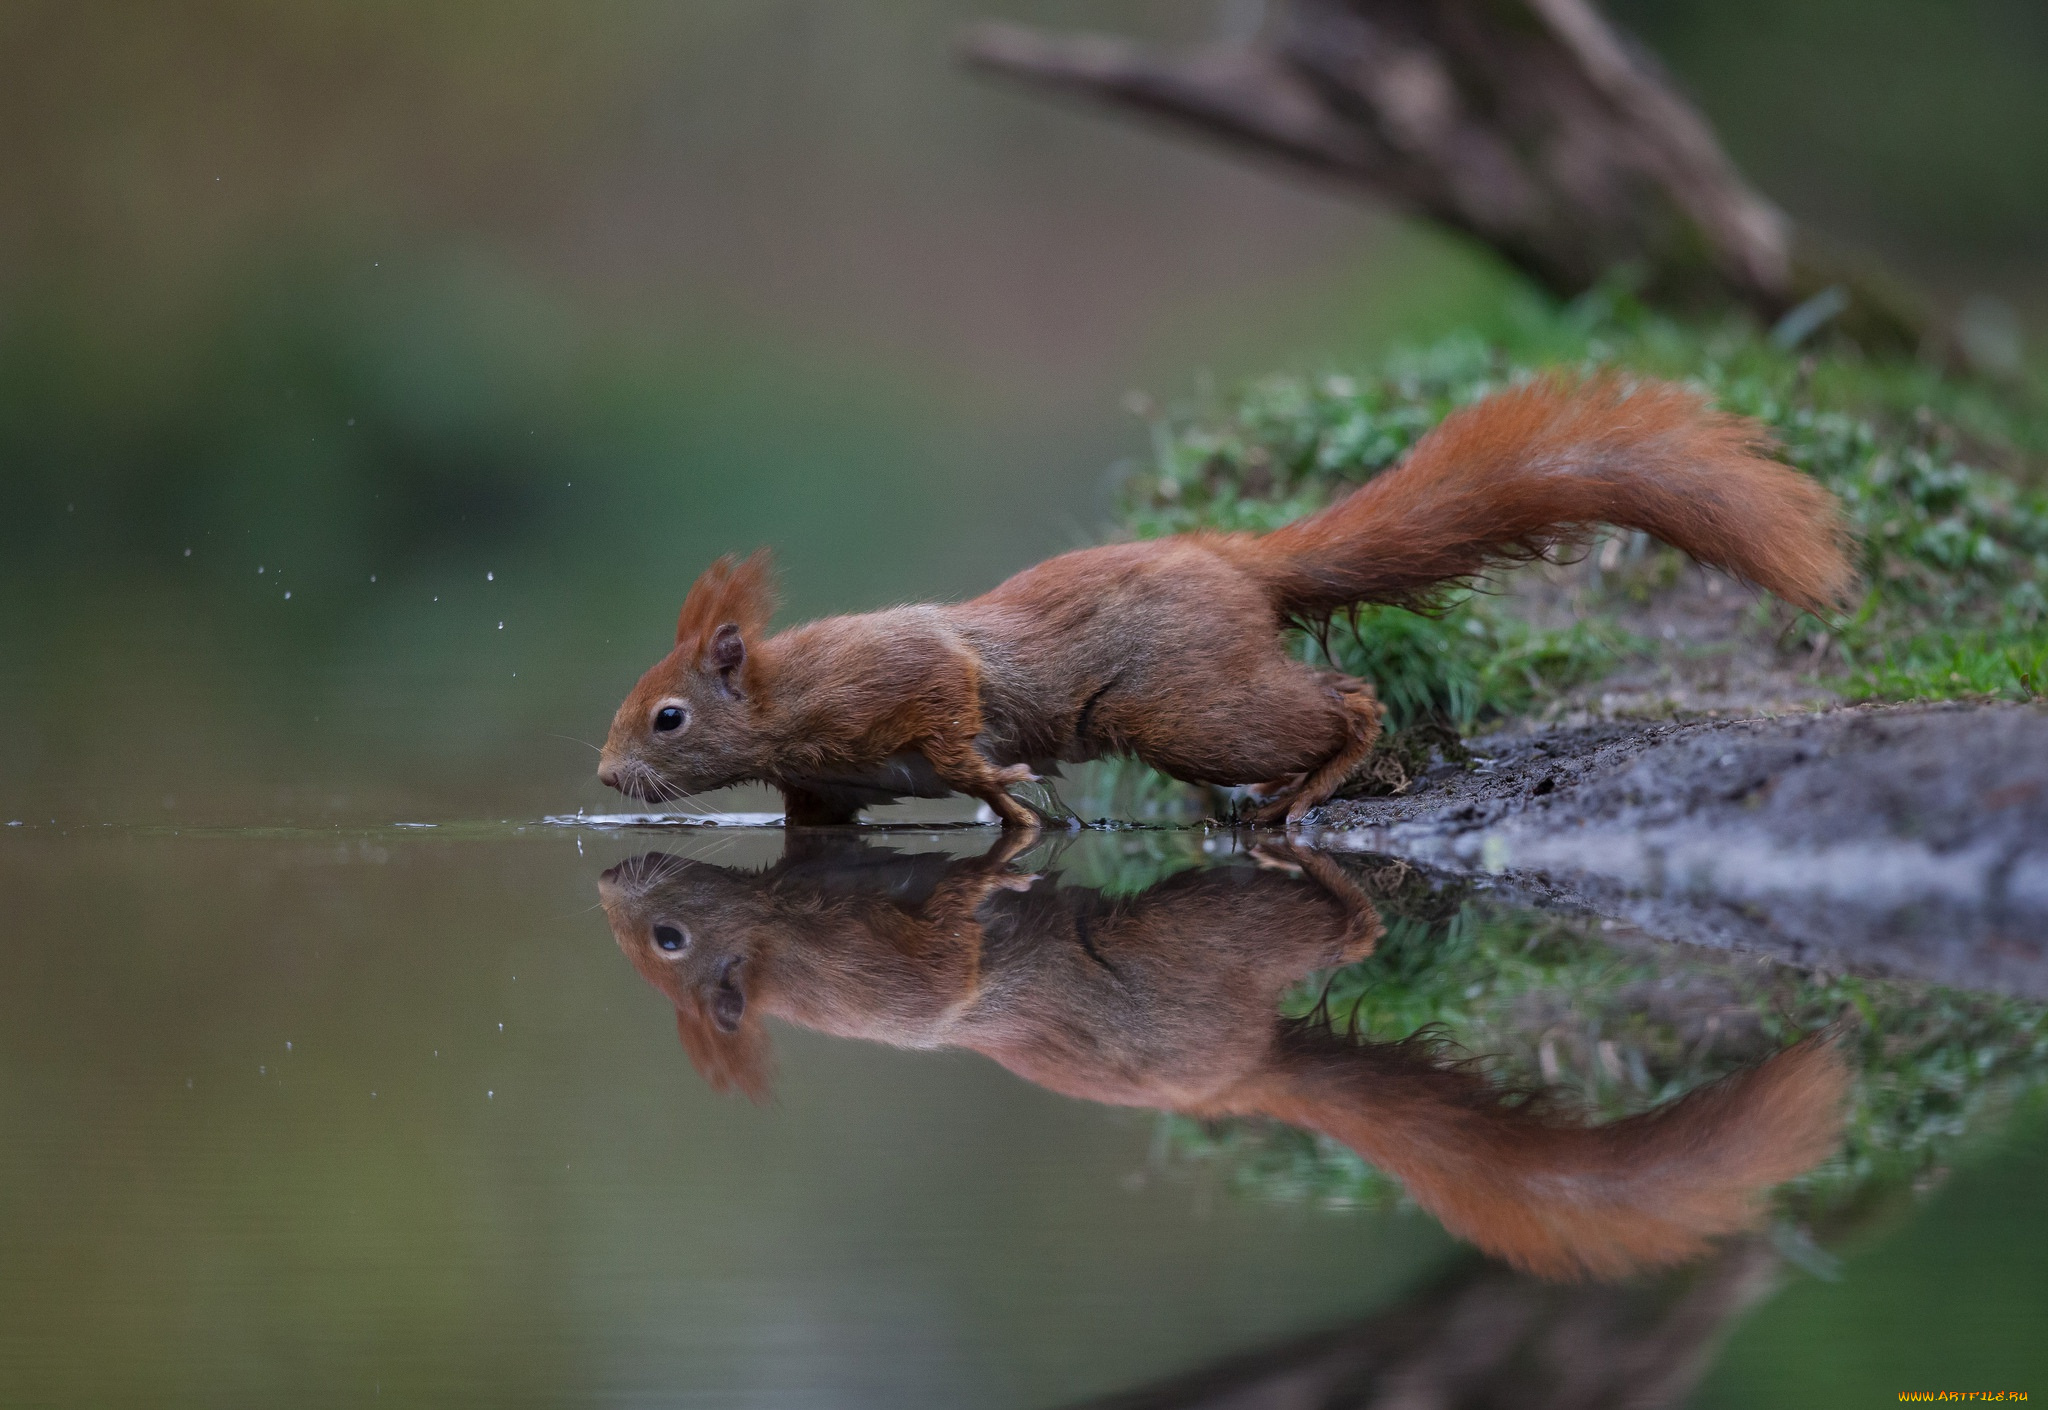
point(1566, 1201)
point(1173, 650)
point(739, 591)
point(1535, 467)
point(1170, 999)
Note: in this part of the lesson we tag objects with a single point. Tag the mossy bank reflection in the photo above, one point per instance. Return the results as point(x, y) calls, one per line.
point(1174, 997)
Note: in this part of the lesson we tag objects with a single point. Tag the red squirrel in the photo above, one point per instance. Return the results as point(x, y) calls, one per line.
point(1170, 999)
point(1173, 649)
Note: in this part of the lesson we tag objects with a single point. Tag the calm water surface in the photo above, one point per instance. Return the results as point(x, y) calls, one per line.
point(401, 1115)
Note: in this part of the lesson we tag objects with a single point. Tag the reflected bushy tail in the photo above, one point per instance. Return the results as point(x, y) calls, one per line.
point(1538, 466)
point(1559, 1200)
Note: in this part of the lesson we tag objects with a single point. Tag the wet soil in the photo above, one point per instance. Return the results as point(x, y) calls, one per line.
point(1909, 840)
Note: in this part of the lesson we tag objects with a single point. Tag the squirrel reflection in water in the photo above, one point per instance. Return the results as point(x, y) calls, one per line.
point(1171, 999)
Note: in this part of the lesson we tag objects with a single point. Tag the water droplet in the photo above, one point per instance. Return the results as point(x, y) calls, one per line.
point(287, 1045)
point(501, 1028)
point(501, 626)
point(287, 594)
point(490, 577)
point(188, 553)
point(373, 577)
point(490, 1094)
point(351, 421)
point(259, 567)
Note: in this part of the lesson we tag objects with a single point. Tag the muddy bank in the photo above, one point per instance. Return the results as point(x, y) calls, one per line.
point(1909, 840)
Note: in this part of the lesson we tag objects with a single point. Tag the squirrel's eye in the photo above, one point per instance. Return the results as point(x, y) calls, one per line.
point(670, 938)
point(668, 717)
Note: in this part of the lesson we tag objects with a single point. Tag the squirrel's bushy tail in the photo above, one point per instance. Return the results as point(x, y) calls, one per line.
point(1558, 1199)
point(1540, 465)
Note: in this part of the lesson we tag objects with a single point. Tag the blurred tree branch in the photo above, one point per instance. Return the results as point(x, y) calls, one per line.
point(1487, 1338)
point(1531, 125)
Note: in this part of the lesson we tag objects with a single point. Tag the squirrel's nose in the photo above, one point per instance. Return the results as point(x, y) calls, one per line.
point(607, 775)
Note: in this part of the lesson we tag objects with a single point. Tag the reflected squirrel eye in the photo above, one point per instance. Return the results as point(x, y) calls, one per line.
point(668, 717)
point(669, 937)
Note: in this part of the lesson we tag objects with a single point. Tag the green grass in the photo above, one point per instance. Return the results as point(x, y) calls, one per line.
point(1939, 477)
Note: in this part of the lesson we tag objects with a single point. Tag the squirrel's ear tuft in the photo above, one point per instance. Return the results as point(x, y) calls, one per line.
point(739, 592)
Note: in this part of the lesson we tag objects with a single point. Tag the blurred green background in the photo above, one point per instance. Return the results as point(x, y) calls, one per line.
point(440, 318)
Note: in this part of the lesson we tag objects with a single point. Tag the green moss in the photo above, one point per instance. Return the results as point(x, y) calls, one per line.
point(1938, 476)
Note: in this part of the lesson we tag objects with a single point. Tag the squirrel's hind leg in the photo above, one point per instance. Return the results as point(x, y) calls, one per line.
point(1279, 787)
point(1362, 925)
point(1362, 730)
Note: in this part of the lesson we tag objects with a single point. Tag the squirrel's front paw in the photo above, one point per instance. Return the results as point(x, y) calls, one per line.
point(1016, 773)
